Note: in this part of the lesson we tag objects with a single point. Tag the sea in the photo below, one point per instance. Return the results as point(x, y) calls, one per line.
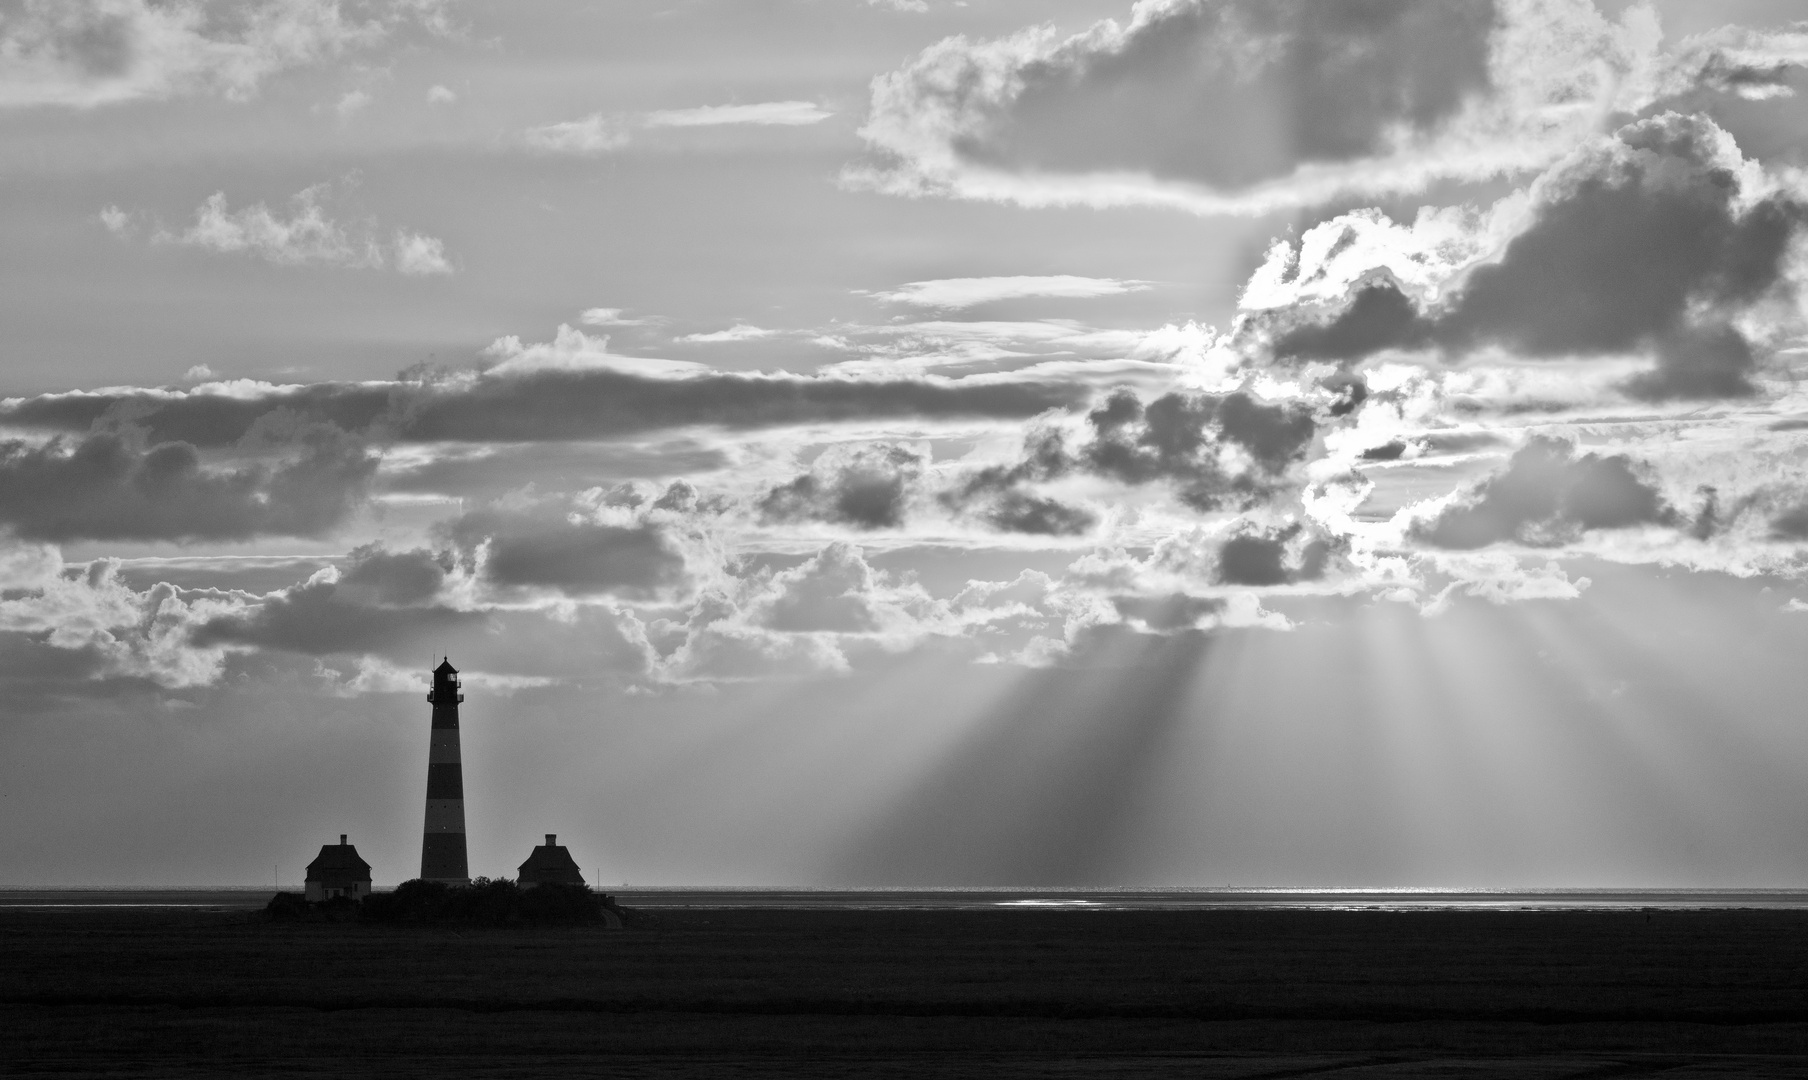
point(652, 897)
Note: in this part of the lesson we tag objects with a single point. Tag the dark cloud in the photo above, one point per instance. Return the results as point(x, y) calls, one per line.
point(1177, 437)
point(1379, 316)
point(866, 488)
point(105, 488)
point(201, 418)
point(1548, 495)
point(1791, 524)
point(394, 577)
point(1706, 362)
point(1252, 560)
point(321, 619)
point(1038, 515)
point(1351, 390)
point(1273, 434)
point(1228, 92)
point(30, 660)
point(565, 405)
point(996, 493)
point(1164, 614)
point(1642, 244)
point(1709, 519)
point(1136, 444)
point(540, 550)
point(1276, 557)
point(545, 406)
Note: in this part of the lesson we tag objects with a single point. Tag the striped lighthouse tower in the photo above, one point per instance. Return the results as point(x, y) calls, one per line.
point(443, 840)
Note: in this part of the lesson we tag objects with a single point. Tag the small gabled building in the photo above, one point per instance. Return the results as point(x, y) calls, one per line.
point(548, 864)
point(338, 871)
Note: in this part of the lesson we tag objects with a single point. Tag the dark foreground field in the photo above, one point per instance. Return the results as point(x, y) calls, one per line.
point(917, 994)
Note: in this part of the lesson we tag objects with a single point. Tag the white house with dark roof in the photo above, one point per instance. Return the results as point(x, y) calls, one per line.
point(338, 871)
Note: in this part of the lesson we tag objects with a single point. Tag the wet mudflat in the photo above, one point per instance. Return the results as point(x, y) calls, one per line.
point(1000, 993)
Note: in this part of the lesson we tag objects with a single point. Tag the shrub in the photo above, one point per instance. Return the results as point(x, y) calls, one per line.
point(295, 907)
point(486, 902)
point(286, 907)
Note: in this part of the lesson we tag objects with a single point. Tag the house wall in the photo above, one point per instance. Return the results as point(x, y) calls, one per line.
point(327, 890)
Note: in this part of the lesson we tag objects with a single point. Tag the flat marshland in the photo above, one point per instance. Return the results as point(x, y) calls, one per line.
point(913, 993)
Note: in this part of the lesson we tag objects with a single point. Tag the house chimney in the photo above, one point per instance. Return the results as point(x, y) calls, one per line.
point(341, 839)
point(550, 837)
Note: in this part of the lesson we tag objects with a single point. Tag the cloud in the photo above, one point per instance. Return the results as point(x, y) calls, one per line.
point(967, 292)
point(831, 592)
point(1281, 556)
point(118, 632)
point(1245, 106)
point(440, 95)
point(544, 404)
point(1179, 437)
point(1166, 614)
point(350, 102)
point(996, 494)
point(574, 350)
point(87, 53)
point(783, 113)
point(318, 619)
point(1253, 106)
point(1035, 515)
point(478, 471)
point(1546, 497)
point(1215, 451)
point(398, 578)
point(608, 316)
point(377, 605)
point(307, 236)
point(418, 255)
point(807, 620)
point(1660, 239)
point(1052, 348)
point(599, 133)
point(540, 550)
point(737, 332)
point(103, 488)
point(865, 487)
point(595, 134)
point(1752, 64)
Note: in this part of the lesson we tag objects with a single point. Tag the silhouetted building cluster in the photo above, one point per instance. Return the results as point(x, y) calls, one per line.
point(338, 871)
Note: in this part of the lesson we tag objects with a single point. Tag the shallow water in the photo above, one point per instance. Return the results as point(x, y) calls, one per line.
point(688, 897)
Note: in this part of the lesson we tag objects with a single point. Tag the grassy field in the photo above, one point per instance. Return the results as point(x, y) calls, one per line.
point(914, 994)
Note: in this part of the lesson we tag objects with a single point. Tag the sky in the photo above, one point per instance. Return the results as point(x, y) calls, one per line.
point(1262, 443)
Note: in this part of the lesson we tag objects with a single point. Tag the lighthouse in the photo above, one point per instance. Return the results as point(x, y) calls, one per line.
point(443, 838)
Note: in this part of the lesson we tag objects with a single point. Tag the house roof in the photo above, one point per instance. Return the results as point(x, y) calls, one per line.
point(551, 860)
point(338, 860)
